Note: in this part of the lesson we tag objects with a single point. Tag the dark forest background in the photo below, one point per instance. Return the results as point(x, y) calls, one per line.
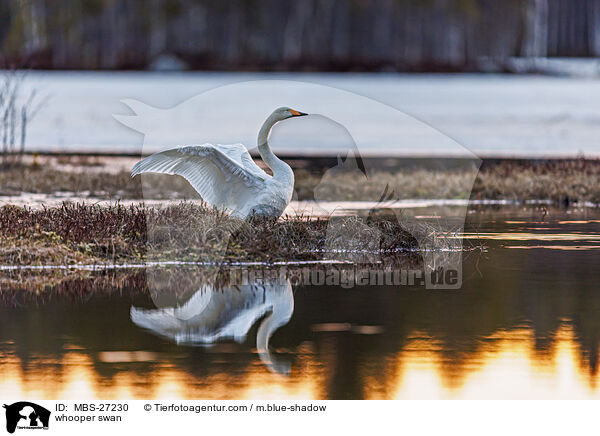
point(372, 35)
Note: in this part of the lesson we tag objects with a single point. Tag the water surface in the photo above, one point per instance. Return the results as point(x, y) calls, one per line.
point(491, 115)
point(525, 324)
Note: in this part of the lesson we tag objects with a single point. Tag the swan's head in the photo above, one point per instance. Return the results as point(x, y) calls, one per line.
point(283, 113)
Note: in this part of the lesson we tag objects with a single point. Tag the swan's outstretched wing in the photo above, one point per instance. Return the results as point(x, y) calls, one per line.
point(172, 321)
point(225, 176)
point(208, 315)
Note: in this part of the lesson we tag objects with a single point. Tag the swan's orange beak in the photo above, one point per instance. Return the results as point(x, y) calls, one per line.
point(295, 113)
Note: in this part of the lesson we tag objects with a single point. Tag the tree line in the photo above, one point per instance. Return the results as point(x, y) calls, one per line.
point(404, 35)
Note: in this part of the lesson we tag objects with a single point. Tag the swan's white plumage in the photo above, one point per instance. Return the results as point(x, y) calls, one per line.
point(211, 315)
point(226, 177)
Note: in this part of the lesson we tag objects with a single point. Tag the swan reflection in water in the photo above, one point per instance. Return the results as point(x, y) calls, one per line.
point(211, 315)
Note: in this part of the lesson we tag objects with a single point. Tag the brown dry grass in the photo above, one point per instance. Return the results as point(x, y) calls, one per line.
point(560, 181)
point(414, 183)
point(85, 183)
point(19, 285)
point(563, 182)
point(78, 233)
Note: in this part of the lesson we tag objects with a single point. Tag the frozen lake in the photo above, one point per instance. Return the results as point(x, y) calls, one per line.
point(490, 115)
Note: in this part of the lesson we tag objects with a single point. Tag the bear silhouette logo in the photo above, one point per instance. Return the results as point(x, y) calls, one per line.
point(26, 415)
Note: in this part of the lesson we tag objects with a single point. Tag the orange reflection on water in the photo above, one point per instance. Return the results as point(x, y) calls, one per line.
point(75, 377)
point(556, 247)
point(525, 236)
point(504, 365)
point(507, 366)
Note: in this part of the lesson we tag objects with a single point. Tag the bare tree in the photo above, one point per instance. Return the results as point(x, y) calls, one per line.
point(16, 112)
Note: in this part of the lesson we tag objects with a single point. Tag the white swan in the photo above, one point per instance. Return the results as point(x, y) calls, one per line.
point(226, 177)
point(212, 315)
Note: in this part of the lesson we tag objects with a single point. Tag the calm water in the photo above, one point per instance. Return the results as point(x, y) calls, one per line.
point(491, 115)
point(525, 325)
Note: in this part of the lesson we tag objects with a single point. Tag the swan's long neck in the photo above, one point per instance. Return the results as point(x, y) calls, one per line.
point(281, 170)
point(283, 308)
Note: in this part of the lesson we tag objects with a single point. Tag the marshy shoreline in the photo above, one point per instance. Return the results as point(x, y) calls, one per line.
point(87, 234)
point(107, 178)
point(107, 223)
